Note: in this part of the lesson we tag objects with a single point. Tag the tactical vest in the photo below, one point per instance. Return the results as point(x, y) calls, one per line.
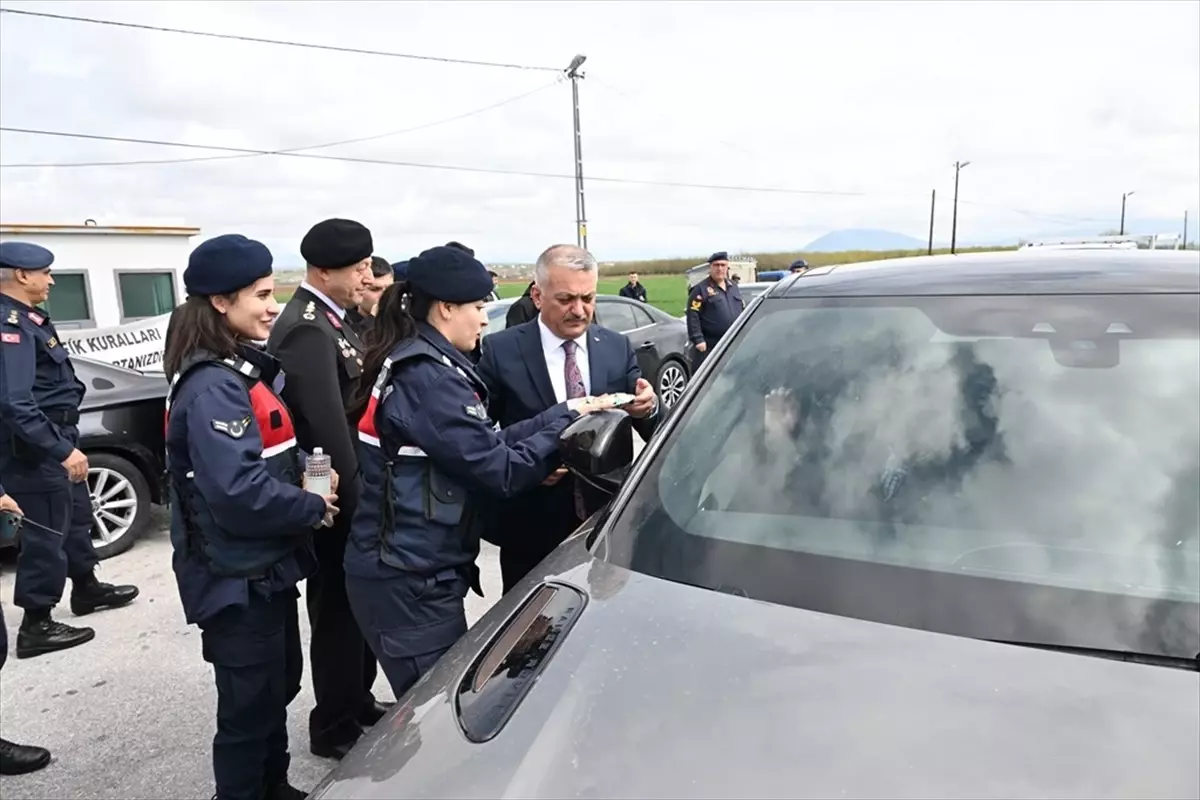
point(418, 518)
point(195, 530)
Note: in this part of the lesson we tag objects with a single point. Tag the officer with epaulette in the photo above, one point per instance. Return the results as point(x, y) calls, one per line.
point(322, 356)
point(428, 453)
point(40, 460)
point(713, 305)
point(241, 521)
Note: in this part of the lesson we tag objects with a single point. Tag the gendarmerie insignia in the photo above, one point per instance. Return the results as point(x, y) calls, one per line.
point(235, 429)
point(310, 311)
point(13, 319)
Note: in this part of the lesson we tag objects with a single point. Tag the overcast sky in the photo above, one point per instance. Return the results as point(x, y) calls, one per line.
point(1060, 107)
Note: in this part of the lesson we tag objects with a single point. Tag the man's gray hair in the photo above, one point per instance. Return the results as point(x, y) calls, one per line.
point(563, 255)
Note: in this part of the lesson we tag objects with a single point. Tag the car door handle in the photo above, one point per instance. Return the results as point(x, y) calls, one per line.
point(646, 346)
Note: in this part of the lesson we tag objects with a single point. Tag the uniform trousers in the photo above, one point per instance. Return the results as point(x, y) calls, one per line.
point(46, 559)
point(257, 663)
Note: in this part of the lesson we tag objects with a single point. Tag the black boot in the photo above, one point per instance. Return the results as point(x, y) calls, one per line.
point(285, 791)
point(89, 594)
point(18, 759)
point(39, 634)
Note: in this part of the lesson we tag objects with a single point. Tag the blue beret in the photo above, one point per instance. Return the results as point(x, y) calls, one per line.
point(226, 264)
point(450, 275)
point(720, 255)
point(23, 255)
point(400, 270)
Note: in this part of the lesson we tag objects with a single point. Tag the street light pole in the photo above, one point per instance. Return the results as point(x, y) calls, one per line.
point(1123, 198)
point(958, 165)
point(580, 209)
point(932, 206)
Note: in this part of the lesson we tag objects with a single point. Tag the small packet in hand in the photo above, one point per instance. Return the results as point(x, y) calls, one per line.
point(621, 399)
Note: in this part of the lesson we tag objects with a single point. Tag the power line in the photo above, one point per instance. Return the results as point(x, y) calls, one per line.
point(281, 42)
point(412, 164)
point(291, 150)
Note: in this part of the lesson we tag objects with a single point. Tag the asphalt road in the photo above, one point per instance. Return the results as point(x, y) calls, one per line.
point(132, 713)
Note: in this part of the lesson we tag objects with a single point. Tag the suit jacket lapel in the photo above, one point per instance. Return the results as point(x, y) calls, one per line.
point(595, 367)
point(535, 362)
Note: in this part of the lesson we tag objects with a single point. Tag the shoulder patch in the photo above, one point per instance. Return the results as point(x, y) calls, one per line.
point(10, 338)
point(696, 304)
point(52, 342)
point(12, 318)
point(310, 311)
point(478, 411)
point(234, 429)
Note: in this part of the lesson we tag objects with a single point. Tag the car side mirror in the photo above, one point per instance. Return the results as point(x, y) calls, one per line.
point(598, 448)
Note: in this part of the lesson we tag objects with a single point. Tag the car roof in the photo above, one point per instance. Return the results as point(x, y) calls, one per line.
point(1015, 272)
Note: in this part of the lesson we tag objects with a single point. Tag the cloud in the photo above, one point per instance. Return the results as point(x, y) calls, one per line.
point(1059, 108)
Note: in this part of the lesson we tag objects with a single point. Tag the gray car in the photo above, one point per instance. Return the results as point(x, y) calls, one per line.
point(946, 543)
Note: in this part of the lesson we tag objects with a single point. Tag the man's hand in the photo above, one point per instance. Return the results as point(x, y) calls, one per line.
point(643, 400)
point(555, 476)
point(333, 480)
point(8, 504)
point(701, 347)
point(76, 466)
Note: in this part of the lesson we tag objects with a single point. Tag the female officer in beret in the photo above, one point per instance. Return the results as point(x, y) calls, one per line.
point(241, 523)
point(428, 453)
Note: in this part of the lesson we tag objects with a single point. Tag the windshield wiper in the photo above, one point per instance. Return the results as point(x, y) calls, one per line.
point(1151, 659)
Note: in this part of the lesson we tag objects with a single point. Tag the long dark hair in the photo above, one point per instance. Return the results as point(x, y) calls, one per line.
point(193, 326)
point(400, 306)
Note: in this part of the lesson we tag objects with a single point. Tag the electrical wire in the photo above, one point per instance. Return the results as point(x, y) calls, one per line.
point(291, 150)
point(411, 164)
point(281, 42)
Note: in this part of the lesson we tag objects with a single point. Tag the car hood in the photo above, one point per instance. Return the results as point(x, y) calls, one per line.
point(664, 690)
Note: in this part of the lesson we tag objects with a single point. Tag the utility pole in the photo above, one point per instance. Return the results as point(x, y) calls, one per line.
point(1185, 229)
point(580, 210)
point(958, 165)
point(1123, 198)
point(932, 206)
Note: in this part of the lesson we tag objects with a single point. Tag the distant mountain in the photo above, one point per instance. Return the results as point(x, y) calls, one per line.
point(862, 239)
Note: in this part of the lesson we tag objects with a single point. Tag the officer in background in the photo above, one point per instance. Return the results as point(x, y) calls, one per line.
point(42, 466)
point(15, 759)
point(799, 265)
point(322, 357)
point(241, 523)
point(362, 316)
point(713, 305)
point(429, 453)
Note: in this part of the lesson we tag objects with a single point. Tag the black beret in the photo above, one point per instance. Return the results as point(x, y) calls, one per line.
point(336, 244)
point(24, 255)
point(450, 275)
point(462, 247)
point(720, 255)
point(226, 264)
point(799, 263)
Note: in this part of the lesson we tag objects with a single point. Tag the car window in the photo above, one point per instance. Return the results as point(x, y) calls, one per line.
point(497, 317)
point(1014, 468)
point(641, 317)
point(617, 315)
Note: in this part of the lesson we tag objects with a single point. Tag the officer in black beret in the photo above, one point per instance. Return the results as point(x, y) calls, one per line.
point(430, 457)
point(713, 305)
point(322, 357)
point(40, 461)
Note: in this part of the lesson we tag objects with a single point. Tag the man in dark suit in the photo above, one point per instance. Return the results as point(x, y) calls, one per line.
point(555, 357)
point(321, 356)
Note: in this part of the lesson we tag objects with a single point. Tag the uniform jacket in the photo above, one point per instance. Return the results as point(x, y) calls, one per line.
point(432, 459)
point(322, 358)
point(239, 519)
point(513, 367)
point(39, 399)
point(711, 310)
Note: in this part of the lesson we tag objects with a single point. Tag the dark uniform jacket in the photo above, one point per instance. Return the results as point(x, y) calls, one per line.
point(39, 400)
point(431, 458)
point(711, 311)
point(239, 519)
point(322, 358)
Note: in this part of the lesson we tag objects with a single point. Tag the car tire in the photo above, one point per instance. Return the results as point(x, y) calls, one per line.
point(121, 513)
point(670, 382)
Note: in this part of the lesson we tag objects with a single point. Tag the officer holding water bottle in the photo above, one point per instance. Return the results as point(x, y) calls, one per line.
point(242, 522)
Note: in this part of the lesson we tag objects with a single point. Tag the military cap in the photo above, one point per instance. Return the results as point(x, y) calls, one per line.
point(225, 264)
point(336, 244)
point(720, 255)
point(25, 255)
point(462, 247)
point(400, 270)
point(450, 275)
point(799, 263)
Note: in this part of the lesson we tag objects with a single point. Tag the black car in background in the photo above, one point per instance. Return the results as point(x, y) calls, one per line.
point(121, 431)
point(660, 340)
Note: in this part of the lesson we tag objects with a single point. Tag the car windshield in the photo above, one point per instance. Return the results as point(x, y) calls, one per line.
point(496, 312)
point(1009, 468)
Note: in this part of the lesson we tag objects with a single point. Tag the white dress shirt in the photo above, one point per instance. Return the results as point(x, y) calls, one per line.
point(324, 298)
point(556, 361)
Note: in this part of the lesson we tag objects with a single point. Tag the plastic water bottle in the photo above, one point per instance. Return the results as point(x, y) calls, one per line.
point(318, 477)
